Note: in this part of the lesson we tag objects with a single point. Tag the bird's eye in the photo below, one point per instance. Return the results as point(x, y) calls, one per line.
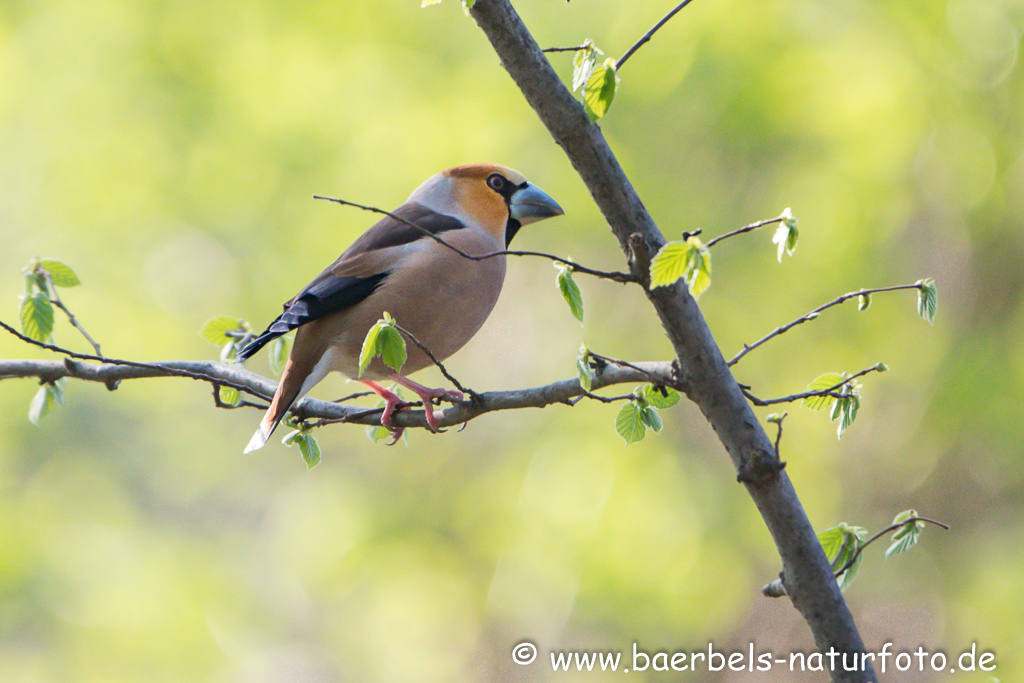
point(496, 182)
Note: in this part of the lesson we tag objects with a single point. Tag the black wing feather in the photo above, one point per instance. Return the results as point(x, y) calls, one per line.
point(329, 292)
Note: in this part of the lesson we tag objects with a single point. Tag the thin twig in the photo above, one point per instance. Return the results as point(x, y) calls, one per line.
point(596, 397)
point(778, 437)
point(747, 348)
point(565, 49)
point(740, 231)
point(607, 275)
point(831, 391)
point(647, 36)
point(892, 527)
point(177, 372)
point(440, 366)
point(55, 300)
point(358, 394)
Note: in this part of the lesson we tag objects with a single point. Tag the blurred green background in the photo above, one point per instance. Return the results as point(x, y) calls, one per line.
point(169, 150)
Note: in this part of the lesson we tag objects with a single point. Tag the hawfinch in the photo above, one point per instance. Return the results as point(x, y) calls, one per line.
point(438, 295)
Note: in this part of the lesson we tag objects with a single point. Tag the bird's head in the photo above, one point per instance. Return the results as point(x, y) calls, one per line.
point(498, 198)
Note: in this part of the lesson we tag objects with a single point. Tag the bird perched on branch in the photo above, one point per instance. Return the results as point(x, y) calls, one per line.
point(412, 264)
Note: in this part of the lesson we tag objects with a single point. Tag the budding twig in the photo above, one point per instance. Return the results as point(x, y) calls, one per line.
point(740, 231)
point(747, 348)
point(892, 527)
point(830, 391)
point(647, 36)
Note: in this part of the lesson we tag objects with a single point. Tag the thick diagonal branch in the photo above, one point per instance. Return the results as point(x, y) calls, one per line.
point(708, 381)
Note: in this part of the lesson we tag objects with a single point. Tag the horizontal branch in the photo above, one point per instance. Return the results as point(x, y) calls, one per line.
point(216, 372)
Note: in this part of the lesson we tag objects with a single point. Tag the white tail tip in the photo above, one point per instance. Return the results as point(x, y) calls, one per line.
point(258, 440)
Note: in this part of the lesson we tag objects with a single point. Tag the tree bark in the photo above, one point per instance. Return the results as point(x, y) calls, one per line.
point(707, 379)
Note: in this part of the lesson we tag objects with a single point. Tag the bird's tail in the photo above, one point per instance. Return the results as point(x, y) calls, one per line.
point(284, 397)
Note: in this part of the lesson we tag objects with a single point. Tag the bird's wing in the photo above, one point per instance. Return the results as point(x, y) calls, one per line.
point(360, 270)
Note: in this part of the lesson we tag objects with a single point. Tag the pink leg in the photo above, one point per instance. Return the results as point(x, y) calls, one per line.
point(392, 400)
point(428, 396)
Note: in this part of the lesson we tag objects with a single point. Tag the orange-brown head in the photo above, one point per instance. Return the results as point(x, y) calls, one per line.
point(497, 198)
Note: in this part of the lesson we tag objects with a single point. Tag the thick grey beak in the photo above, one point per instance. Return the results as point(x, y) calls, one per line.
point(530, 204)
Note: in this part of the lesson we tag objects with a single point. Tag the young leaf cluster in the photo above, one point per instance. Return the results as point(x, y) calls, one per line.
point(641, 412)
point(688, 260)
point(598, 82)
point(386, 341)
point(786, 234)
point(41, 276)
point(48, 397)
point(840, 393)
point(927, 299)
point(307, 444)
point(844, 544)
point(570, 290)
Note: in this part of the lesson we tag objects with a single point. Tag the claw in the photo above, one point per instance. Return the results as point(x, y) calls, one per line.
point(426, 394)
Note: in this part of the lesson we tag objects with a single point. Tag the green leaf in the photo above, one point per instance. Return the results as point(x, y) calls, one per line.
point(649, 416)
point(392, 348)
point(820, 383)
point(229, 395)
point(376, 433)
point(570, 290)
point(845, 410)
point(699, 277)
point(583, 369)
point(670, 264)
point(583, 63)
point(37, 316)
point(41, 405)
point(278, 354)
point(599, 91)
point(61, 274)
point(227, 352)
point(905, 516)
point(371, 346)
point(927, 299)
point(863, 302)
point(216, 328)
point(629, 424)
point(467, 5)
point(786, 235)
point(689, 260)
point(307, 444)
point(656, 399)
point(310, 450)
point(840, 543)
point(906, 537)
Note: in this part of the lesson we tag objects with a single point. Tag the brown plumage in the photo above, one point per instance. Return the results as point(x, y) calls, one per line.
point(431, 290)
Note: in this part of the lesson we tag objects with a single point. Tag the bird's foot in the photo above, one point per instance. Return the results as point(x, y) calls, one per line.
point(391, 406)
point(428, 396)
